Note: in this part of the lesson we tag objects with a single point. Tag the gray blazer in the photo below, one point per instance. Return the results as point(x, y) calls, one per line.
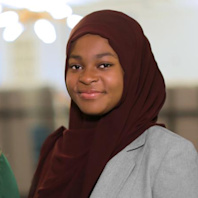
point(158, 164)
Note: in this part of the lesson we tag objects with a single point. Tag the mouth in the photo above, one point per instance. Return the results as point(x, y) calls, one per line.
point(90, 94)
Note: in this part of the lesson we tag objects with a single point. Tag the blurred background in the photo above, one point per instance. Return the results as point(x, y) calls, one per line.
point(33, 98)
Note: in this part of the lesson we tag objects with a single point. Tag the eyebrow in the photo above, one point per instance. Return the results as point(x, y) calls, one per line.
point(106, 54)
point(78, 57)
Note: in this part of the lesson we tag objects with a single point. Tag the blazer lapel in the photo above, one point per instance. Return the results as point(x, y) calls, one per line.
point(117, 170)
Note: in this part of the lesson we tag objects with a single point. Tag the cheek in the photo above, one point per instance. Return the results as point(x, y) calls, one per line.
point(120, 87)
point(70, 83)
point(114, 85)
point(67, 82)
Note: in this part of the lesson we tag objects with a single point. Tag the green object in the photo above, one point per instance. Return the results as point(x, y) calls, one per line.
point(8, 184)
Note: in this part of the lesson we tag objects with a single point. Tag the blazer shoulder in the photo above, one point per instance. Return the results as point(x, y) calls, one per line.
point(177, 170)
point(162, 137)
point(160, 141)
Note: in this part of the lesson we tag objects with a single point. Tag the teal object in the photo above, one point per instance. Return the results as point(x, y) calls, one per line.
point(8, 184)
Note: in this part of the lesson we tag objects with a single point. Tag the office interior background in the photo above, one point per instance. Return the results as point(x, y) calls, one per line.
point(33, 97)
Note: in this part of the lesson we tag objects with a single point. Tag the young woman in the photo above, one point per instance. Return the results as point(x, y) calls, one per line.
point(114, 147)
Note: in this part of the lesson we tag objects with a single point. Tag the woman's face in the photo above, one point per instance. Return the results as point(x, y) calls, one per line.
point(94, 77)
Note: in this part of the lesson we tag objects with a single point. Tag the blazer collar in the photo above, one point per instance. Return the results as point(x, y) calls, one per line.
point(137, 143)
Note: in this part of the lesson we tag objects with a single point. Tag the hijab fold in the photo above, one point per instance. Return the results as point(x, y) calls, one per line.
point(72, 159)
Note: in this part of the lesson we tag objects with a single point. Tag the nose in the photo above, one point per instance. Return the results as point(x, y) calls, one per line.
point(88, 76)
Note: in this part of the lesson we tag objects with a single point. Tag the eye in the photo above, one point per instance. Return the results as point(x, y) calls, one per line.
point(105, 65)
point(75, 67)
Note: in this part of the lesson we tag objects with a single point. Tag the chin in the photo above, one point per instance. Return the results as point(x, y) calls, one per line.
point(92, 112)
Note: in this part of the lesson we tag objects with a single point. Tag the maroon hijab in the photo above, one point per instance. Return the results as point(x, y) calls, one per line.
point(72, 160)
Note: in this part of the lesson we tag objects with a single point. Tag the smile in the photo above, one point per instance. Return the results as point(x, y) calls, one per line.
point(90, 95)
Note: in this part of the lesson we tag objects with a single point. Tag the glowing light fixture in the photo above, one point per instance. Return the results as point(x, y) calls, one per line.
point(40, 12)
point(12, 32)
point(45, 31)
point(8, 18)
point(73, 19)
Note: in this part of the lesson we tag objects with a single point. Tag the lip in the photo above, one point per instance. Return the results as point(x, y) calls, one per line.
point(90, 94)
